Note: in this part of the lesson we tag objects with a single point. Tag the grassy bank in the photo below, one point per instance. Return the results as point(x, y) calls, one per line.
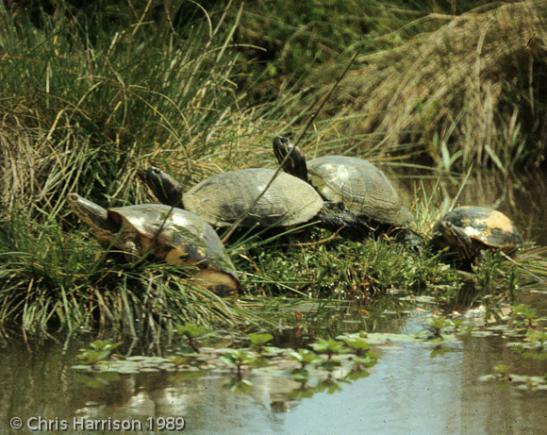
point(57, 280)
point(92, 93)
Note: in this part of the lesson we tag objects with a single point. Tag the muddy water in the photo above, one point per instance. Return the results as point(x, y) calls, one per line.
point(411, 389)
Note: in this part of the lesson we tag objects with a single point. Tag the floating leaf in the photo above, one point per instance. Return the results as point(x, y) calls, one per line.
point(259, 340)
point(329, 346)
point(303, 356)
point(191, 330)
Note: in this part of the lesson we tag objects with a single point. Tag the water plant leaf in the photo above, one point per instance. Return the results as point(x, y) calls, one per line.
point(258, 340)
point(303, 356)
point(191, 330)
point(357, 344)
point(329, 346)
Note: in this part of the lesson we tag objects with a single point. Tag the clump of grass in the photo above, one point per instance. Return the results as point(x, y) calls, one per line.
point(57, 281)
point(81, 110)
point(357, 270)
point(470, 92)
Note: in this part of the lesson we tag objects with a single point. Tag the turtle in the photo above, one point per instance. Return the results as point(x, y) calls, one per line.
point(355, 184)
point(176, 236)
point(468, 230)
point(251, 198)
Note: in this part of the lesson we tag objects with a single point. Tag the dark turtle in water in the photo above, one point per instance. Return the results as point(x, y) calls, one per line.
point(175, 236)
point(466, 231)
point(353, 183)
point(256, 197)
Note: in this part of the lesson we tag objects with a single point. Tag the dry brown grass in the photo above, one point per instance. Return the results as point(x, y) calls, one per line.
point(471, 92)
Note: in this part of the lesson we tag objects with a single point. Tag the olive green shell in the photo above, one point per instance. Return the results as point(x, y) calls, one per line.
point(485, 225)
point(225, 198)
point(174, 235)
point(360, 186)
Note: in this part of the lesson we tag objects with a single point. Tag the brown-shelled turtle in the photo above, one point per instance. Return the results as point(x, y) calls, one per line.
point(466, 231)
point(355, 184)
point(257, 197)
point(176, 236)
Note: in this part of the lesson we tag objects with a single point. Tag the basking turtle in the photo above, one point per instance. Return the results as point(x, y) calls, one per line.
point(256, 197)
point(176, 236)
point(356, 184)
point(466, 231)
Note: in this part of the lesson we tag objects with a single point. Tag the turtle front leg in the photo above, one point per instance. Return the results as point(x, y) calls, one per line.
point(333, 218)
point(410, 239)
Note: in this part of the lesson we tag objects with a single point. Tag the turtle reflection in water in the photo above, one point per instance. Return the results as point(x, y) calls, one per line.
point(255, 197)
point(466, 231)
point(178, 237)
point(354, 184)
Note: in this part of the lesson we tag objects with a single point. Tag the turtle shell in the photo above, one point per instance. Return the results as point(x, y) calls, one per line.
point(360, 186)
point(484, 225)
point(177, 236)
point(225, 198)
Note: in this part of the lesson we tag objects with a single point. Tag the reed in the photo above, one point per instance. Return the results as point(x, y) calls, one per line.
point(467, 93)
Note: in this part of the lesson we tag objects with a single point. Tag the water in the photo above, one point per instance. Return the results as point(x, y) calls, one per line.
point(410, 390)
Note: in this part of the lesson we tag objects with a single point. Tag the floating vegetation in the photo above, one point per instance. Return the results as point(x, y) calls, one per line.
point(348, 349)
point(324, 365)
point(502, 374)
point(192, 332)
point(98, 351)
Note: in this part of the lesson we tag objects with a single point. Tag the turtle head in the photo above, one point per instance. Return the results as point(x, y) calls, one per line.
point(103, 224)
point(222, 283)
point(290, 157)
point(454, 238)
point(164, 187)
point(215, 272)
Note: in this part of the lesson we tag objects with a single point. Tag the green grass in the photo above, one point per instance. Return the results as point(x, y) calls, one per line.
point(295, 36)
point(55, 280)
point(92, 93)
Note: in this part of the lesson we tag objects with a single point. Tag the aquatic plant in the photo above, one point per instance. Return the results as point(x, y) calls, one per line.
point(537, 337)
point(239, 358)
point(524, 315)
point(436, 325)
point(192, 332)
point(258, 340)
point(358, 345)
point(304, 357)
point(98, 350)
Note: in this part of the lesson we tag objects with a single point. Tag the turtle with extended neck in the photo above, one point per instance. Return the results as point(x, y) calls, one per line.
point(353, 183)
point(176, 236)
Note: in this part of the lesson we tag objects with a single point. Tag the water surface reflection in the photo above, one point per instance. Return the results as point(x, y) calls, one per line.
point(410, 390)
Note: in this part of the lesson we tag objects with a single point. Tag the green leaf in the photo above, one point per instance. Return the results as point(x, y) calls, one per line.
point(191, 330)
point(328, 346)
point(303, 356)
point(259, 340)
point(357, 344)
